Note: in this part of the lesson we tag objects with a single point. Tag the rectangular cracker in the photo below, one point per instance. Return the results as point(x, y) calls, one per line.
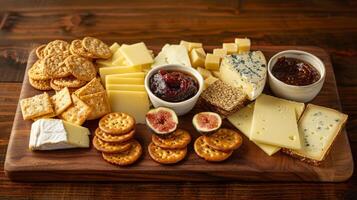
point(77, 113)
point(98, 102)
point(36, 106)
point(61, 101)
point(92, 87)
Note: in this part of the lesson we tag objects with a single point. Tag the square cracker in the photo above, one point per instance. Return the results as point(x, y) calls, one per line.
point(36, 106)
point(92, 87)
point(61, 101)
point(98, 102)
point(77, 113)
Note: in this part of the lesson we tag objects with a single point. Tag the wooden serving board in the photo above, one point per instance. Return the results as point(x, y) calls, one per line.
point(247, 163)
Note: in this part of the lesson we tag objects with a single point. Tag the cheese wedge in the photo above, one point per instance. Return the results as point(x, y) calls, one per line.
point(125, 87)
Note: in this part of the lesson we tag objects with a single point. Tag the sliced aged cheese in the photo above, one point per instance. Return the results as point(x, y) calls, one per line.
point(247, 71)
point(129, 75)
point(117, 70)
point(51, 134)
point(135, 103)
point(125, 87)
point(274, 123)
point(172, 54)
point(137, 54)
point(120, 80)
point(243, 44)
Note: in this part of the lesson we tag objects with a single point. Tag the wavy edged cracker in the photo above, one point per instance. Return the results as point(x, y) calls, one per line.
point(208, 153)
point(117, 123)
point(40, 84)
point(81, 68)
point(61, 101)
point(37, 71)
point(40, 51)
point(96, 47)
point(69, 81)
point(77, 113)
point(224, 140)
point(98, 102)
point(92, 87)
point(114, 138)
point(166, 156)
point(127, 157)
point(176, 140)
point(108, 147)
point(76, 48)
point(56, 47)
point(54, 66)
point(36, 106)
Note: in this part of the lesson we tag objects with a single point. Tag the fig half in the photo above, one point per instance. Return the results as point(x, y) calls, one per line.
point(206, 122)
point(162, 120)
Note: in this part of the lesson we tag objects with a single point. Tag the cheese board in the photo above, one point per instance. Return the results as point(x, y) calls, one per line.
point(248, 162)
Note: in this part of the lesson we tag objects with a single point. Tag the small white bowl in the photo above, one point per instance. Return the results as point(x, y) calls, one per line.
point(296, 93)
point(182, 107)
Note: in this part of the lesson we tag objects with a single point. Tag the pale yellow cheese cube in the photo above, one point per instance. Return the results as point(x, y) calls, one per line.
point(135, 103)
point(125, 87)
point(231, 48)
point(197, 59)
point(243, 44)
point(136, 54)
point(200, 51)
point(185, 44)
point(120, 80)
point(117, 70)
point(220, 52)
point(204, 72)
point(193, 45)
point(212, 62)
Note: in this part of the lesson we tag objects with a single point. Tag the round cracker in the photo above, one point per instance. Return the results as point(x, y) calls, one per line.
point(117, 123)
point(114, 138)
point(176, 140)
point(96, 47)
point(127, 157)
point(224, 140)
point(56, 47)
point(76, 48)
point(40, 51)
point(69, 81)
point(107, 147)
point(37, 71)
point(81, 68)
point(166, 156)
point(55, 67)
point(40, 84)
point(208, 153)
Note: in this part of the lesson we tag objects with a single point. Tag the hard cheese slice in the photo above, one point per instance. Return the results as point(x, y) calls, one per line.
point(129, 75)
point(126, 87)
point(274, 123)
point(120, 80)
point(136, 54)
point(135, 103)
point(117, 70)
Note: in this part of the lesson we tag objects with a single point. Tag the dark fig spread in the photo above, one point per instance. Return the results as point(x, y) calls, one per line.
point(294, 71)
point(173, 86)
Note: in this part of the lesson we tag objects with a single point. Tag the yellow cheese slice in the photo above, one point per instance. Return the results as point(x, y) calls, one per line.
point(125, 87)
point(117, 70)
point(129, 75)
point(136, 54)
point(135, 103)
point(120, 80)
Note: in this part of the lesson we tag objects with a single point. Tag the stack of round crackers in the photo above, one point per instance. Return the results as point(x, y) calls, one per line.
point(61, 64)
point(169, 149)
point(218, 146)
point(115, 139)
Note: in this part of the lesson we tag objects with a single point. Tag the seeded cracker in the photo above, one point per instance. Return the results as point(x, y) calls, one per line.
point(77, 113)
point(61, 101)
point(126, 157)
point(40, 51)
point(56, 47)
point(36, 106)
point(81, 68)
point(37, 71)
point(96, 47)
point(40, 84)
point(98, 102)
point(69, 81)
point(76, 48)
point(92, 87)
point(54, 66)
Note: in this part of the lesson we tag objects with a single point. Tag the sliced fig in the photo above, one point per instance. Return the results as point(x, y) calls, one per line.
point(207, 122)
point(162, 120)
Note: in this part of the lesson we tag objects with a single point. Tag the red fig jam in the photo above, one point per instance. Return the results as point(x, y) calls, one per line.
point(294, 71)
point(173, 86)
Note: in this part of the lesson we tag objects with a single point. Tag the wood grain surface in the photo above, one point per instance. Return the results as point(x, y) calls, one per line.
point(329, 24)
point(247, 163)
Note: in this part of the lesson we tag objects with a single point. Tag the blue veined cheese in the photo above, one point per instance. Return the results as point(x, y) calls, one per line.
point(247, 71)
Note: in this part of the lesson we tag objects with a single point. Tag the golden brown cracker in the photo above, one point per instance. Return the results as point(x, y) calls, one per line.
point(127, 157)
point(166, 156)
point(177, 140)
point(92, 87)
point(61, 101)
point(54, 66)
point(76, 48)
point(81, 68)
point(69, 81)
point(98, 102)
point(114, 138)
point(208, 153)
point(36, 106)
point(56, 47)
point(40, 51)
point(107, 147)
point(117, 123)
point(40, 84)
point(96, 47)
point(76, 113)
point(224, 140)
point(37, 71)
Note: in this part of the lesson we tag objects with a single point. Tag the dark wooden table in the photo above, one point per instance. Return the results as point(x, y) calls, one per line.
point(331, 25)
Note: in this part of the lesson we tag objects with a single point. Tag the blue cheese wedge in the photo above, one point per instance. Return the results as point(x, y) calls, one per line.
point(52, 134)
point(318, 128)
point(247, 71)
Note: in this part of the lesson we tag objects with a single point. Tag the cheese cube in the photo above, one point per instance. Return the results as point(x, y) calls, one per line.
point(185, 44)
point(231, 48)
point(274, 123)
point(212, 62)
point(135, 103)
point(129, 75)
point(204, 72)
point(120, 80)
point(243, 44)
point(197, 58)
point(200, 51)
point(125, 87)
point(193, 45)
point(117, 70)
point(220, 52)
point(136, 54)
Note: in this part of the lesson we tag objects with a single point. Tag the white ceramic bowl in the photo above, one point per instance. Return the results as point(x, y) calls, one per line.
point(296, 93)
point(182, 107)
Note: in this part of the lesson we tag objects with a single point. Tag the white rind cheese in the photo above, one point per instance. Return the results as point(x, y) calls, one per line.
point(247, 71)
